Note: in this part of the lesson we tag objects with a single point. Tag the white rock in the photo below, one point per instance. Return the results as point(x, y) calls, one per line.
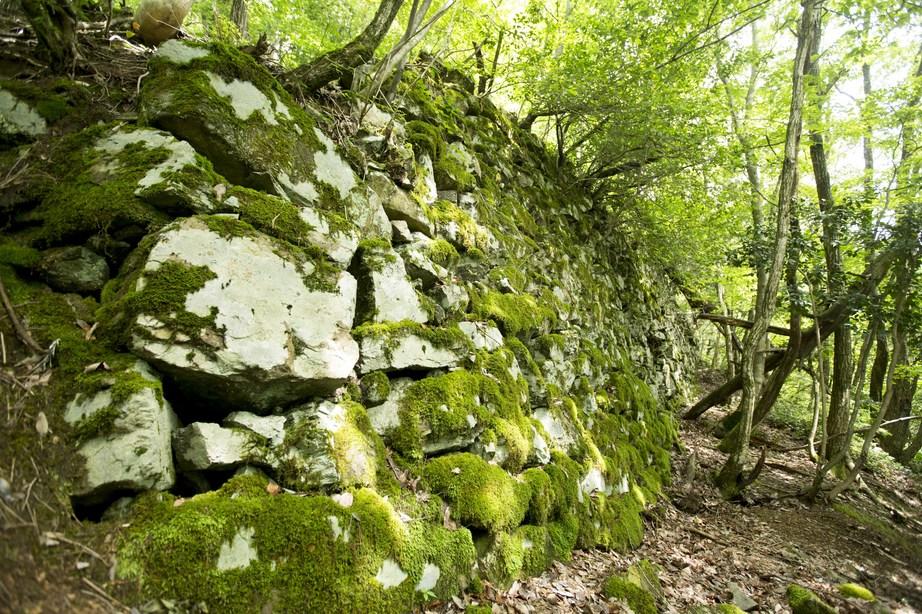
point(429, 578)
point(388, 295)
point(404, 350)
point(246, 99)
point(205, 446)
point(483, 335)
point(276, 339)
point(135, 453)
point(398, 204)
point(178, 52)
point(17, 117)
point(390, 574)
point(427, 176)
point(559, 428)
point(270, 427)
point(386, 416)
point(239, 552)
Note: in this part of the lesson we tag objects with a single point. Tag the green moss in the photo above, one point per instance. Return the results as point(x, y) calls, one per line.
point(539, 506)
point(98, 424)
point(876, 524)
point(50, 317)
point(537, 554)
point(172, 550)
point(425, 138)
point(375, 387)
point(376, 254)
point(89, 198)
point(856, 591)
point(440, 404)
point(48, 102)
point(563, 534)
point(442, 252)
point(392, 333)
point(515, 313)
point(478, 609)
point(641, 601)
point(502, 561)
point(470, 235)
point(804, 601)
point(273, 216)
point(481, 495)
point(18, 255)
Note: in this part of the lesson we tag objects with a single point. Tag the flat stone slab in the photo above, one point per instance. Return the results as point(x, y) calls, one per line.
point(275, 327)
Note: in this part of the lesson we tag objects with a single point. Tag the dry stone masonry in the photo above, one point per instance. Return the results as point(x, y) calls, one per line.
point(361, 374)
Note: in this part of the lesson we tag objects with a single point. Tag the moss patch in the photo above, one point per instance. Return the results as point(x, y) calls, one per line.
point(299, 557)
point(804, 601)
point(856, 591)
point(641, 601)
point(481, 495)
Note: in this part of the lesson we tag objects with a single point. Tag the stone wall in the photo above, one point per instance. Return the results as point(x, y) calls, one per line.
point(360, 372)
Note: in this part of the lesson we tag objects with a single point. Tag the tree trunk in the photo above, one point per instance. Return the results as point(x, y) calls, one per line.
point(55, 25)
point(730, 480)
point(879, 368)
point(239, 16)
point(337, 65)
point(837, 419)
point(828, 321)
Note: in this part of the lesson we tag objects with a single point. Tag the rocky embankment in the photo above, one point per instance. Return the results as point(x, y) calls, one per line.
point(362, 372)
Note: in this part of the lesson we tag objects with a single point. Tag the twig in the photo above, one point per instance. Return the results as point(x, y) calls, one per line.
point(707, 535)
point(104, 594)
point(86, 549)
point(21, 331)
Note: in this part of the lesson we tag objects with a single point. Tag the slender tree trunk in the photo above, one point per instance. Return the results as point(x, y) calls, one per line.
point(725, 330)
point(835, 277)
point(239, 16)
point(829, 320)
point(337, 65)
point(55, 25)
point(730, 480)
point(879, 368)
point(898, 351)
point(823, 468)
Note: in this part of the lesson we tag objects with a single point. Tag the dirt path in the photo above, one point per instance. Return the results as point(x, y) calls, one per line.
point(761, 547)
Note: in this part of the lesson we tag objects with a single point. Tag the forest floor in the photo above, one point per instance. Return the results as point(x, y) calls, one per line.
point(761, 546)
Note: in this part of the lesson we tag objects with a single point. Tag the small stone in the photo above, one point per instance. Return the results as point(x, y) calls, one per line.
point(400, 232)
point(741, 598)
point(483, 335)
point(398, 204)
point(73, 269)
point(239, 552)
point(385, 291)
point(204, 446)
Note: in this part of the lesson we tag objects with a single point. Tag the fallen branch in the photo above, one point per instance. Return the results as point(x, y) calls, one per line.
point(715, 317)
point(21, 331)
point(856, 431)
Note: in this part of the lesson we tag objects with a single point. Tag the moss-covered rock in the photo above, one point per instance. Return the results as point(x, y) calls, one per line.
point(297, 551)
point(122, 434)
point(640, 600)
point(856, 591)
point(235, 315)
point(481, 495)
point(235, 113)
point(804, 601)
